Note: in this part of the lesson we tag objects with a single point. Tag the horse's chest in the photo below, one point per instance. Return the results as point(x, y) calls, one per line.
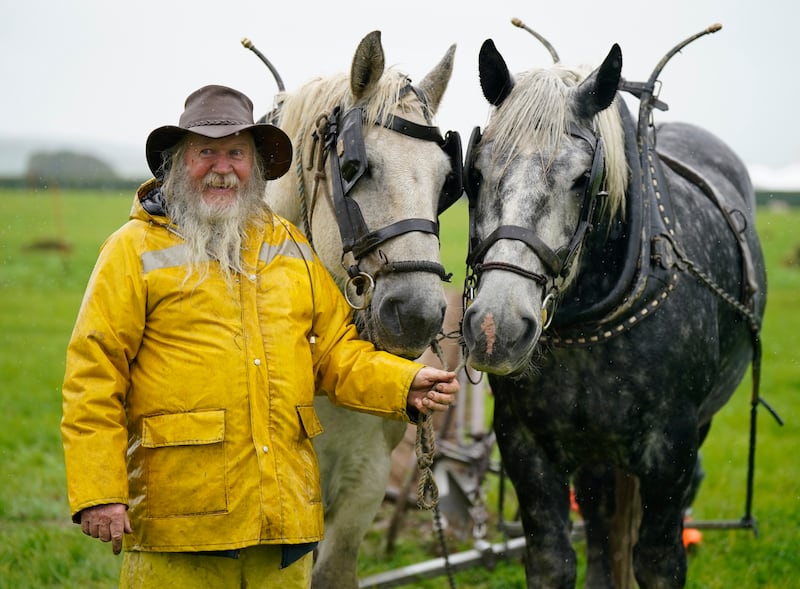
point(586, 401)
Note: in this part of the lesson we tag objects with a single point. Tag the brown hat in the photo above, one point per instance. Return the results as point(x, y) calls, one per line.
point(218, 111)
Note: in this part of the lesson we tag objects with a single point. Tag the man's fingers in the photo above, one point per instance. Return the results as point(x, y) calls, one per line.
point(104, 533)
point(108, 523)
point(436, 402)
point(443, 399)
point(116, 529)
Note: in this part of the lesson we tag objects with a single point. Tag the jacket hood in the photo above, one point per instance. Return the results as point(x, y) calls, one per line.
point(149, 201)
point(151, 197)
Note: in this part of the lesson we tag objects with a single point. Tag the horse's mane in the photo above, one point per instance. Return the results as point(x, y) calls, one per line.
point(299, 109)
point(535, 116)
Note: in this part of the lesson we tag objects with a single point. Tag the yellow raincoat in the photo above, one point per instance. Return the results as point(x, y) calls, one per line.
point(193, 403)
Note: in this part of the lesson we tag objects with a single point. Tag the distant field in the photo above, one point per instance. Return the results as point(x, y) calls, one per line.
point(48, 244)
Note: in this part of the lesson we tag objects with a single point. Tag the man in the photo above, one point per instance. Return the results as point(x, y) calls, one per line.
point(206, 329)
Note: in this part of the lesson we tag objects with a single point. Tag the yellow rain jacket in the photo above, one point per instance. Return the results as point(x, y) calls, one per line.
point(193, 403)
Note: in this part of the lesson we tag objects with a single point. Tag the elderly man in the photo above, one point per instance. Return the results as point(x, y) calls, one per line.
point(207, 327)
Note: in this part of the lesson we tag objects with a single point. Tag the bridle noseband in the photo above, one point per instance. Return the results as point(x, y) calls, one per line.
point(557, 263)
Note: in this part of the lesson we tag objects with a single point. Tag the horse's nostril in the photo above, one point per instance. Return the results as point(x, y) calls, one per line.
point(523, 344)
point(404, 317)
point(390, 314)
point(495, 343)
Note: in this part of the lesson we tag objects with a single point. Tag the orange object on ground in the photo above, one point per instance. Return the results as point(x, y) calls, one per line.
point(691, 536)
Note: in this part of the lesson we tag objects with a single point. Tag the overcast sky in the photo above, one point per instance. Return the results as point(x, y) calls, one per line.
point(112, 71)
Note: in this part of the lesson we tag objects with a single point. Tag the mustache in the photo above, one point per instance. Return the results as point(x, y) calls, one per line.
point(217, 180)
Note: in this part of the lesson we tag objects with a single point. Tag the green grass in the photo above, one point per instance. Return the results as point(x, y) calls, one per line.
point(48, 244)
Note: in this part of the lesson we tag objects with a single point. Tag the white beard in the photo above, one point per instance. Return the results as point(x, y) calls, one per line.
point(214, 233)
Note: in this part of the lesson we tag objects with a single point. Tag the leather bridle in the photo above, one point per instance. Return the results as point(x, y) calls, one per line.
point(342, 142)
point(557, 263)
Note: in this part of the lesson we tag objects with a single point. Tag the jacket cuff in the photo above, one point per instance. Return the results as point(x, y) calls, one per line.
point(413, 414)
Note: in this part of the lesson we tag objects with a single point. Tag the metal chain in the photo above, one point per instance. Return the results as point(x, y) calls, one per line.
point(437, 517)
point(755, 324)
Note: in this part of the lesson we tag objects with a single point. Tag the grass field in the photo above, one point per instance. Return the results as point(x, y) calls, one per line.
point(48, 244)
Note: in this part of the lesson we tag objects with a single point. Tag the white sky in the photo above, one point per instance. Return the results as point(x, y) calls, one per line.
point(113, 71)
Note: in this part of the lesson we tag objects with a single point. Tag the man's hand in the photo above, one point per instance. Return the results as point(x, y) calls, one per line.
point(433, 390)
point(107, 522)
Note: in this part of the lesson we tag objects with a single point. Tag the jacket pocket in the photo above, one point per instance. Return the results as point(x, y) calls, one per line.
point(309, 420)
point(311, 426)
point(185, 463)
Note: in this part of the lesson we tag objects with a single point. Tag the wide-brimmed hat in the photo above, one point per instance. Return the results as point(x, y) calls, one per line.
point(219, 111)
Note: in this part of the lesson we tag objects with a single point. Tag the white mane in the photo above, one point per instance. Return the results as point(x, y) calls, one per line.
point(536, 114)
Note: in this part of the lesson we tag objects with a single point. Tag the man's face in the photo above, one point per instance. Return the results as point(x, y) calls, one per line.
point(217, 167)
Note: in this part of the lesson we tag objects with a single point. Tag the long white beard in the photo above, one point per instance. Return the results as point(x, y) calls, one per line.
point(214, 233)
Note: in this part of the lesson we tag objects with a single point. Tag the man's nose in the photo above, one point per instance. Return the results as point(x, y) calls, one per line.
point(222, 164)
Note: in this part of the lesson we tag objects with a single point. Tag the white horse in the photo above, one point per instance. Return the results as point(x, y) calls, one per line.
point(371, 175)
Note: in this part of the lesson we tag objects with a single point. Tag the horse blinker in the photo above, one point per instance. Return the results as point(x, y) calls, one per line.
point(453, 185)
point(350, 148)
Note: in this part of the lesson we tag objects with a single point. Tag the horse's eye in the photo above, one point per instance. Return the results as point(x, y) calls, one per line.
point(580, 181)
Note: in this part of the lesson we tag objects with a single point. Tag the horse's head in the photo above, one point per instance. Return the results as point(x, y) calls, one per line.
point(551, 150)
point(371, 176)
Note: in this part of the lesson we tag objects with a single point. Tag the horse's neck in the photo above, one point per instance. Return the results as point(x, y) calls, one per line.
point(282, 197)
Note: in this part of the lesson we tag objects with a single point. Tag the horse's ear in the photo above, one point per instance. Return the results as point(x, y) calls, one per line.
point(435, 83)
point(496, 80)
point(597, 91)
point(368, 65)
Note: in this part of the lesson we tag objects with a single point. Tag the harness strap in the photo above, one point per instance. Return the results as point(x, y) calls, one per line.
point(749, 284)
point(523, 234)
point(412, 129)
point(370, 240)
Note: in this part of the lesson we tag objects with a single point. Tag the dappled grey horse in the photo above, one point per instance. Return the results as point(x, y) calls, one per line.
point(616, 292)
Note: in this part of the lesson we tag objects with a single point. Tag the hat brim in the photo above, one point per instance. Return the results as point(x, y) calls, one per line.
point(272, 144)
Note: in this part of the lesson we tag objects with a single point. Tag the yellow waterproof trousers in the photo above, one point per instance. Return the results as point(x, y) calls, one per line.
point(258, 567)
